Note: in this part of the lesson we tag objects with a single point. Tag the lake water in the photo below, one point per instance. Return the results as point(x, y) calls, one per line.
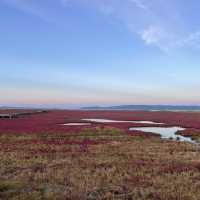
point(119, 121)
point(77, 124)
point(165, 132)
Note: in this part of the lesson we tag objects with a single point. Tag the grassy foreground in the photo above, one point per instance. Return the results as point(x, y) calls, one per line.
point(97, 164)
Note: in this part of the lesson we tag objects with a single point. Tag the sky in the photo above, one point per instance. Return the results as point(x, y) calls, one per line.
point(99, 52)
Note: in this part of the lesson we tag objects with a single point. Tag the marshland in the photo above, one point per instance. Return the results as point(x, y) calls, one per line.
point(40, 158)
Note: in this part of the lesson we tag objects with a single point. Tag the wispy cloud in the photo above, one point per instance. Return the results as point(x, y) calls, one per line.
point(40, 9)
point(192, 40)
point(23, 6)
point(155, 35)
point(139, 4)
point(157, 23)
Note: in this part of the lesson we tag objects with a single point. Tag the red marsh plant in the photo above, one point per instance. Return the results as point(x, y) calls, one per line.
point(97, 163)
point(52, 121)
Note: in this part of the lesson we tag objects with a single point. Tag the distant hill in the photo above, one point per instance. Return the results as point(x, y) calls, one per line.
point(145, 108)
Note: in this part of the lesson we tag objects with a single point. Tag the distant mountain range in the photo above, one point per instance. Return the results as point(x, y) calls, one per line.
point(146, 107)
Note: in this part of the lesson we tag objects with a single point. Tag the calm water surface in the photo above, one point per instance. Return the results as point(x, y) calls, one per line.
point(77, 124)
point(119, 121)
point(165, 132)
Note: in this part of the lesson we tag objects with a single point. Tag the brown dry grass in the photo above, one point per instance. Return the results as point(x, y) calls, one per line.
point(116, 166)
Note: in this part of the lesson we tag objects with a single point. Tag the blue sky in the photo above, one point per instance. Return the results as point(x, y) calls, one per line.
point(99, 52)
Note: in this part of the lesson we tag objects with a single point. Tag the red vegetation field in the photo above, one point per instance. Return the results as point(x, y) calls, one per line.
point(40, 158)
point(52, 121)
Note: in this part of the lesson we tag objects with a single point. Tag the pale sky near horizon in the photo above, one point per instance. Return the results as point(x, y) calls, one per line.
point(99, 52)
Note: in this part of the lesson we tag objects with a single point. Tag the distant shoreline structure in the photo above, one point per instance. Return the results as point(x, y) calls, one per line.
point(152, 108)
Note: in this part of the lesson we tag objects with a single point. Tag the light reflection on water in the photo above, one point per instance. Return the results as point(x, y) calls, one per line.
point(165, 132)
point(77, 124)
point(120, 121)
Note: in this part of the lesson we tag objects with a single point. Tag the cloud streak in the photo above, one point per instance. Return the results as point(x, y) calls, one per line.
point(139, 4)
point(157, 23)
point(25, 6)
